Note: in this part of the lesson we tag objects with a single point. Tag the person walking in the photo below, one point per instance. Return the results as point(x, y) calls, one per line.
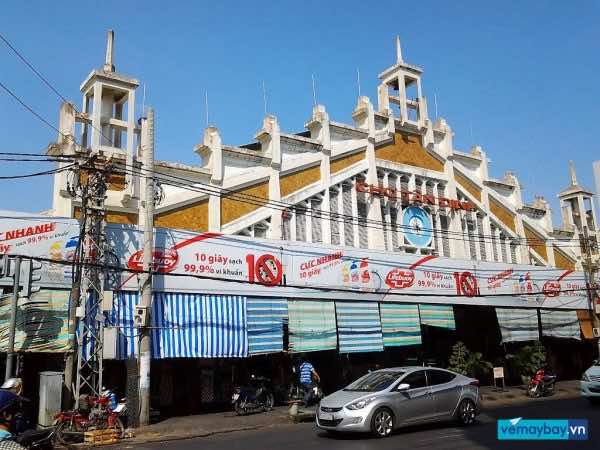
point(308, 375)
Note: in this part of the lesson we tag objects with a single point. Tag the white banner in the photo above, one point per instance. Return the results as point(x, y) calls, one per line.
point(296, 270)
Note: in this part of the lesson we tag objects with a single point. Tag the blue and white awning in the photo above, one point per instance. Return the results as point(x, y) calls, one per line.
point(185, 325)
point(359, 327)
point(266, 317)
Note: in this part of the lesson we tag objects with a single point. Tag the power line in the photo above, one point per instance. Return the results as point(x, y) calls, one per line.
point(46, 82)
point(36, 174)
point(341, 218)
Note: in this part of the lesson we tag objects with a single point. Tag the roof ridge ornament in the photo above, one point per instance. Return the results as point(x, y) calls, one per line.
point(399, 59)
point(572, 173)
point(108, 62)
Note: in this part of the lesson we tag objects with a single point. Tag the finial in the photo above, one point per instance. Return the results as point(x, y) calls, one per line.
point(108, 63)
point(572, 172)
point(398, 50)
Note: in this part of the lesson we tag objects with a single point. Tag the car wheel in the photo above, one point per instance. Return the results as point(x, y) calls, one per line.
point(382, 423)
point(466, 412)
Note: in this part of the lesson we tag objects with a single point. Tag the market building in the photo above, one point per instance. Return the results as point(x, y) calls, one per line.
point(370, 243)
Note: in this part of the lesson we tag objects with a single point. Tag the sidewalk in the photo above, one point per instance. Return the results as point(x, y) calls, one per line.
point(208, 424)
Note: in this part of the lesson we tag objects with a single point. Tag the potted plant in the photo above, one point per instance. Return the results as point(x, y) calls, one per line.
point(527, 360)
point(463, 361)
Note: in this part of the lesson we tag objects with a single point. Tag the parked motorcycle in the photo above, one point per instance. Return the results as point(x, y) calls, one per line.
point(256, 396)
point(541, 385)
point(95, 413)
point(37, 439)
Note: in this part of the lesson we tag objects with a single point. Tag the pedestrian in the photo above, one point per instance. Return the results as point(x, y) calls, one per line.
point(9, 407)
point(308, 374)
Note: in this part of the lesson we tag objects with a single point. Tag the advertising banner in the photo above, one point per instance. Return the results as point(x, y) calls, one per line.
point(237, 265)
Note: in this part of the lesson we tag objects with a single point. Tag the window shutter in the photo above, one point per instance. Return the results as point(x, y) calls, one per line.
point(334, 219)
point(480, 237)
point(317, 231)
point(301, 223)
point(348, 223)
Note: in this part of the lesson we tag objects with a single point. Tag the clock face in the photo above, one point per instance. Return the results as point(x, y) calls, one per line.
point(417, 226)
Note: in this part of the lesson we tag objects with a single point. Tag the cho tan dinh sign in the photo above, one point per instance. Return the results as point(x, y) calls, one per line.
point(415, 197)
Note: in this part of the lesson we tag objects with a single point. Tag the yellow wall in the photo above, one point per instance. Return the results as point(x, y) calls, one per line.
point(536, 242)
point(407, 149)
point(124, 218)
point(345, 161)
point(293, 182)
point(505, 216)
point(562, 261)
point(470, 187)
point(192, 217)
point(234, 207)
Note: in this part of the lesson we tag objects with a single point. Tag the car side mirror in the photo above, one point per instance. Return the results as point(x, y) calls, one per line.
point(403, 387)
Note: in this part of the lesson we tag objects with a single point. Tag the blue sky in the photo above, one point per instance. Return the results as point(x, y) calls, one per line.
point(518, 78)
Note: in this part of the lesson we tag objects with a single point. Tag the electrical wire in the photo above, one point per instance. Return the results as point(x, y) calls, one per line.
point(37, 174)
point(45, 81)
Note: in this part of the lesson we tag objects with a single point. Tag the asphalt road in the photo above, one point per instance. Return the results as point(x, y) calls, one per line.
point(482, 435)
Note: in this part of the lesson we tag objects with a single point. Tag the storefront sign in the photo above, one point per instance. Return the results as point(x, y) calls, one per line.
point(415, 197)
point(212, 263)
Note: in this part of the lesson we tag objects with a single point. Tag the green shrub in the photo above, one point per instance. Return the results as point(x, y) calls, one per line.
point(468, 363)
point(528, 359)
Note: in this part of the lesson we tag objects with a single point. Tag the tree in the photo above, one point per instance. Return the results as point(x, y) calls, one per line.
point(466, 362)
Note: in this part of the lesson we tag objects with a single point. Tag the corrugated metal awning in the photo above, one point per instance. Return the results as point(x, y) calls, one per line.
point(311, 325)
point(359, 327)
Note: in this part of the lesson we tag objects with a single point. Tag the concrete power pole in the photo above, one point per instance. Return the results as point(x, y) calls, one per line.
point(590, 280)
point(146, 301)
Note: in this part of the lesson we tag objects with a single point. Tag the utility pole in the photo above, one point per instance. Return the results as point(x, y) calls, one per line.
point(10, 351)
point(590, 269)
point(146, 300)
point(92, 179)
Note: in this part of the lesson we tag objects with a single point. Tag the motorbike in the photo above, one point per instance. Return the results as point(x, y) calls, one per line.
point(256, 396)
point(541, 385)
point(95, 413)
point(41, 439)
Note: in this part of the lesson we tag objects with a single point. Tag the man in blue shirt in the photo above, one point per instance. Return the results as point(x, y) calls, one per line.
point(308, 374)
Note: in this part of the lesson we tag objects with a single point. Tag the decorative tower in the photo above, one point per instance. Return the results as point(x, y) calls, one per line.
point(109, 123)
point(577, 207)
point(400, 92)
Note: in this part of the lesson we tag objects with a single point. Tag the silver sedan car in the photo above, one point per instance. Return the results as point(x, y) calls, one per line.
point(386, 399)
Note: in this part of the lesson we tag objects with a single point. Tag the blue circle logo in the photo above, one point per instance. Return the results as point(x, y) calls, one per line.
point(417, 226)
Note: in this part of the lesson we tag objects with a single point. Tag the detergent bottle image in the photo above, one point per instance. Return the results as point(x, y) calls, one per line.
point(354, 272)
point(345, 273)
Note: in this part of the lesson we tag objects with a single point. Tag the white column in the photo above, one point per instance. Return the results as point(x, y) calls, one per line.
point(355, 213)
point(308, 220)
point(438, 223)
point(292, 214)
point(341, 219)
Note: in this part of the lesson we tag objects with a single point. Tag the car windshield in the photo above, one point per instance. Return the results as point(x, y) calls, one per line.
point(374, 381)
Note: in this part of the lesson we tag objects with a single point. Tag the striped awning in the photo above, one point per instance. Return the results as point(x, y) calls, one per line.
point(437, 316)
point(266, 317)
point(121, 317)
point(42, 323)
point(359, 327)
point(311, 325)
point(199, 326)
point(518, 324)
point(400, 324)
point(560, 323)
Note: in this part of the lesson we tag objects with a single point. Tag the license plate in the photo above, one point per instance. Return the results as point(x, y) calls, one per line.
point(235, 397)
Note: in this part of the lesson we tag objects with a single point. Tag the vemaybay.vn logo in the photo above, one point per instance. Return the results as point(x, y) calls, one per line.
point(543, 429)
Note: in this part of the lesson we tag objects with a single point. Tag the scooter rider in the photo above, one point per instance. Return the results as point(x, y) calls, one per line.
point(307, 374)
point(9, 406)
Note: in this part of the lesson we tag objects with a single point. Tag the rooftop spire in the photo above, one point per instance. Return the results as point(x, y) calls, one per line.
point(108, 63)
point(398, 50)
point(572, 173)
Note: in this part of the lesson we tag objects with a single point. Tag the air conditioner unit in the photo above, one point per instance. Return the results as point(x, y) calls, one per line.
point(596, 332)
